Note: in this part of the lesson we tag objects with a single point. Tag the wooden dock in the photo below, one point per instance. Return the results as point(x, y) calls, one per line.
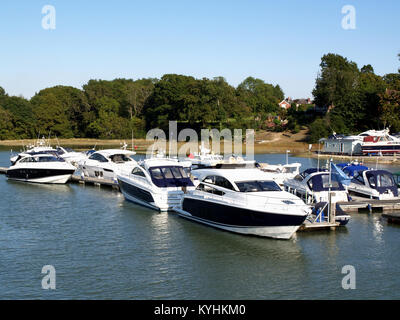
point(392, 217)
point(314, 226)
point(94, 181)
point(370, 205)
point(3, 170)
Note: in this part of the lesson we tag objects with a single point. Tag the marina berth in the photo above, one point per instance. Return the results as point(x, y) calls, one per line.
point(245, 201)
point(106, 164)
point(157, 183)
point(40, 168)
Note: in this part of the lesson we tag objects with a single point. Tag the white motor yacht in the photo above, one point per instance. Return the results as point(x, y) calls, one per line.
point(41, 168)
point(157, 183)
point(282, 172)
point(243, 200)
point(106, 164)
point(70, 155)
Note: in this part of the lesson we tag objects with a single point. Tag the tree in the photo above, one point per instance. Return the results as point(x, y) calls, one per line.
point(337, 79)
point(21, 115)
point(6, 125)
point(137, 93)
point(318, 130)
point(390, 109)
point(51, 114)
point(367, 69)
point(261, 97)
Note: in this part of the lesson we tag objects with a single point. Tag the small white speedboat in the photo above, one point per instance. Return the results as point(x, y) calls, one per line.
point(106, 164)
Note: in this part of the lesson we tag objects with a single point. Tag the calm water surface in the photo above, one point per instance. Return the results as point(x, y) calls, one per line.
point(104, 247)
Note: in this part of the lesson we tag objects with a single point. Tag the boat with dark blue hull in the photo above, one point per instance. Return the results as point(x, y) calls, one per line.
point(245, 201)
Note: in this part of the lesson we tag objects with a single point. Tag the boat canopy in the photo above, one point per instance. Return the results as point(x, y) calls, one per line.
point(170, 176)
point(382, 181)
point(309, 171)
point(320, 182)
point(352, 169)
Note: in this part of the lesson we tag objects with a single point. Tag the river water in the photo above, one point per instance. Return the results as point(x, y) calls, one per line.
point(103, 247)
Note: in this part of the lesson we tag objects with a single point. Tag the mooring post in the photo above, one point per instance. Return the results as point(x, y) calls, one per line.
point(332, 217)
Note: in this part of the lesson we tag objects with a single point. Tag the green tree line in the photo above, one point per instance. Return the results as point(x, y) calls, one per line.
point(114, 109)
point(355, 99)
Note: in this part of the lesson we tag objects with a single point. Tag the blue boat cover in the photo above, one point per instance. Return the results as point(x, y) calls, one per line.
point(352, 170)
point(382, 181)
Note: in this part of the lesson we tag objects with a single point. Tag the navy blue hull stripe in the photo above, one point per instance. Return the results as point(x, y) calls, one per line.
point(235, 216)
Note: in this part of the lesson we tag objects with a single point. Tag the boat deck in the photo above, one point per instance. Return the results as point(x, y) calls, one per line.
point(313, 226)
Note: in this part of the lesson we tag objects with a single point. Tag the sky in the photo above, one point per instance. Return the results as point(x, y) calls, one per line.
point(280, 42)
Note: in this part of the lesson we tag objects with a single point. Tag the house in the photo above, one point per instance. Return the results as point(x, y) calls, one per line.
point(284, 104)
point(299, 102)
point(339, 144)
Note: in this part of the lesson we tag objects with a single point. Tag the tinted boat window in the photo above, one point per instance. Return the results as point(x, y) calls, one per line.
point(325, 181)
point(185, 172)
point(156, 173)
point(269, 186)
point(223, 182)
point(98, 157)
point(176, 172)
point(257, 186)
point(167, 173)
point(209, 189)
point(119, 158)
point(27, 160)
point(138, 172)
point(385, 181)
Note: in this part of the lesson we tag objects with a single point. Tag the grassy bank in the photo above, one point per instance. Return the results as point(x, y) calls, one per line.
point(264, 143)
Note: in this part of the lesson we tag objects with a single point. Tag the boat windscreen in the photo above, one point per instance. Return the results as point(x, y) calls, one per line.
point(320, 182)
point(257, 186)
point(169, 176)
point(120, 158)
point(48, 159)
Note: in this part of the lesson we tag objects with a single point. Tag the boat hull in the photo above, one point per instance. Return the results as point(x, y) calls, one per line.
point(140, 195)
point(56, 176)
point(241, 220)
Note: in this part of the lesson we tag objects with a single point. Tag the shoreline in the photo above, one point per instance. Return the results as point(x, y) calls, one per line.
point(143, 145)
point(274, 146)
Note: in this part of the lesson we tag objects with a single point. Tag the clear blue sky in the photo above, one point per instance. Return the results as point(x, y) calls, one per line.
point(280, 42)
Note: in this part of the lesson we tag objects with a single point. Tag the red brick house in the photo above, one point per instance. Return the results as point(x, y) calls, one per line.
point(284, 104)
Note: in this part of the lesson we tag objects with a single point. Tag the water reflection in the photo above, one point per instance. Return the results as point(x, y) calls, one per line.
point(106, 247)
